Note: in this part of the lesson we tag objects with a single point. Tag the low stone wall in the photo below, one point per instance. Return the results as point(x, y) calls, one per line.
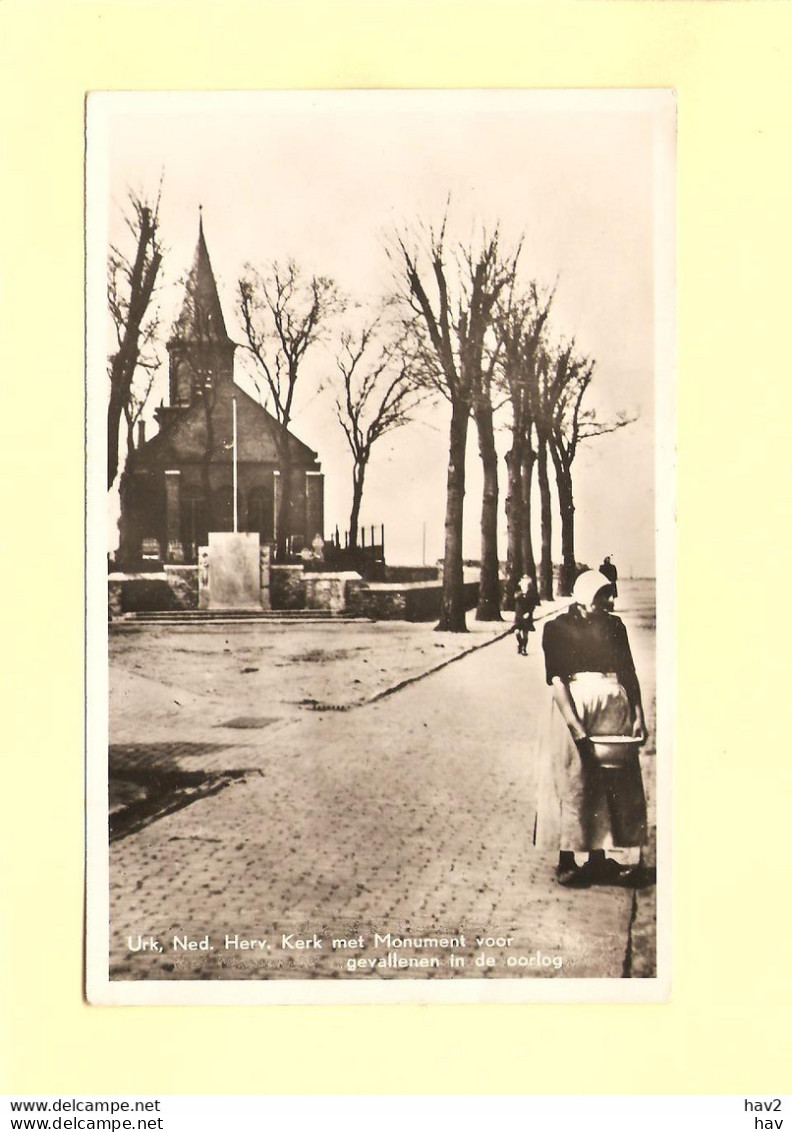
point(287, 587)
point(411, 574)
point(183, 585)
point(394, 601)
point(186, 587)
point(177, 587)
point(328, 591)
point(115, 603)
point(133, 593)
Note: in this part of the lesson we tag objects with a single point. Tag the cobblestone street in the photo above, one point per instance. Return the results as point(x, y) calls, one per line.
point(411, 815)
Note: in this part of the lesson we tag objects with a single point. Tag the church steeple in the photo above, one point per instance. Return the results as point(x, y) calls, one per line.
point(201, 353)
point(201, 317)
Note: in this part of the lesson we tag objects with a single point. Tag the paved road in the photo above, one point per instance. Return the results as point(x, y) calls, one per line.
point(411, 816)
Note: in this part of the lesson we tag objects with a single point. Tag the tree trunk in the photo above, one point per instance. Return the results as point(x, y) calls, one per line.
point(526, 472)
point(546, 560)
point(357, 498)
point(566, 578)
point(284, 516)
point(127, 543)
point(452, 609)
point(488, 608)
point(114, 412)
point(514, 522)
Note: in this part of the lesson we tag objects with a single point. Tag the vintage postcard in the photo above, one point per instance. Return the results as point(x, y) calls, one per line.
point(380, 479)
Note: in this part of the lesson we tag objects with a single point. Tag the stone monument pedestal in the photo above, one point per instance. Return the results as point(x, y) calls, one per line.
point(234, 570)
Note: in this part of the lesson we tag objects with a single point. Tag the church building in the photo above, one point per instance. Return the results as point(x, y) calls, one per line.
point(179, 485)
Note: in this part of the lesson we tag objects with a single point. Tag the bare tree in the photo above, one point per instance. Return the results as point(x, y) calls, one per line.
point(488, 608)
point(552, 371)
point(130, 285)
point(521, 326)
point(453, 332)
point(133, 413)
point(283, 315)
point(136, 403)
point(564, 437)
point(526, 483)
point(377, 394)
point(570, 426)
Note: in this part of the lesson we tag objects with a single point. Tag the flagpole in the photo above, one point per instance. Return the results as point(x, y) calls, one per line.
point(236, 519)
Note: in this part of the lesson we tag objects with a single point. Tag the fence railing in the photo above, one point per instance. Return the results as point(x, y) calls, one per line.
point(366, 555)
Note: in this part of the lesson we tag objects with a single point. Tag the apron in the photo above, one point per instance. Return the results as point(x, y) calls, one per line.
point(588, 807)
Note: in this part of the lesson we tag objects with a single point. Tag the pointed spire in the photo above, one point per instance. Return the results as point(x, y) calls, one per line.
point(201, 317)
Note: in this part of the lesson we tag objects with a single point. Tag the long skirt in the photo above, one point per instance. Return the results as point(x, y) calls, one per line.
point(583, 807)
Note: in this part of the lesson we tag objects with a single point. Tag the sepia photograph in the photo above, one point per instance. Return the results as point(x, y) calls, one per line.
point(380, 546)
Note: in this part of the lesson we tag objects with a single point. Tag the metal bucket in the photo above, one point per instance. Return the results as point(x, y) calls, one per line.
point(614, 750)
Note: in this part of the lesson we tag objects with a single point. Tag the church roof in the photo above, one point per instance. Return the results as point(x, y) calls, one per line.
point(183, 439)
point(201, 317)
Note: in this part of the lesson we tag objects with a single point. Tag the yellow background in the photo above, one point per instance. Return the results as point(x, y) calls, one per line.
point(723, 1032)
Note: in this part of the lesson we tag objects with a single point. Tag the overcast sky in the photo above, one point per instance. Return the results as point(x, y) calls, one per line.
point(326, 179)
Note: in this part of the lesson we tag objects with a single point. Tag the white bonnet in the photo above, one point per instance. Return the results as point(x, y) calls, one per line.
point(588, 585)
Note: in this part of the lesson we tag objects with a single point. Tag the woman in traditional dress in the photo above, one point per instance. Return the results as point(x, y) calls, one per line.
point(583, 806)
